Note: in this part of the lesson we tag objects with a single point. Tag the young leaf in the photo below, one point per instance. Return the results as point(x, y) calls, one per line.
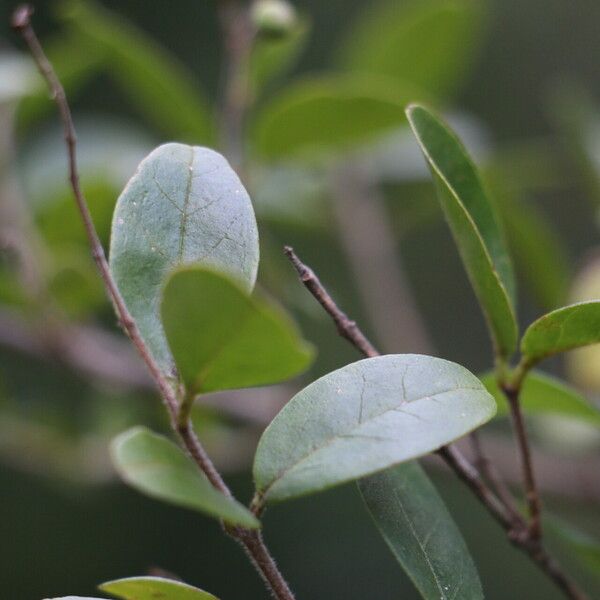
point(156, 467)
point(150, 588)
point(365, 417)
point(542, 394)
point(430, 43)
point(222, 339)
point(420, 532)
point(156, 82)
point(184, 205)
point(318, 116)
point(561, 330)
point(473, 224)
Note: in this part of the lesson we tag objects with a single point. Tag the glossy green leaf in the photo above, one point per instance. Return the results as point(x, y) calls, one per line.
point(221, 338)
point(543, 394)
point(561, 330)
point(420, 532)
point(473, 224)
point(317, 116)
point(273, 55)
point(430, 43)
point(184, 205)
point(365, 417)
point(155, 466)
point(150, 588)
point(155, 81)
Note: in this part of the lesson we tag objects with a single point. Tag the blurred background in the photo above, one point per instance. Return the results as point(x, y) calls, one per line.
point(518, 79)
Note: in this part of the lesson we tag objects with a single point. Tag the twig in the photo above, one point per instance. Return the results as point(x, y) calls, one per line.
point(532, 495)
point(516, 529)
point(249, 539)
point(345, 326)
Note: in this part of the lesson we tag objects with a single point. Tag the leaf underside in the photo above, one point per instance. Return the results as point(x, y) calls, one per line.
point(184, 205)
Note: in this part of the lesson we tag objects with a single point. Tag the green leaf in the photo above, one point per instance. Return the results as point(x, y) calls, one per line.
point(561, 330)
point(222, 339)
point(473, 224)
point(273, 55)
point(150, 588)
point(184, 205)
point(327, 114)
point(420, 532)
point(365, 417)
point(543, 394)
point(160, 86)
point(156, 467)
point(430, 43)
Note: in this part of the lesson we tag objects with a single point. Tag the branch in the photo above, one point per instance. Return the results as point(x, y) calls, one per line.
point(251, 540)
point(515, 527)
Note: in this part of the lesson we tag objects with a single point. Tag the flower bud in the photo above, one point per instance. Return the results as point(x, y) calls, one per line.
point(273, 17)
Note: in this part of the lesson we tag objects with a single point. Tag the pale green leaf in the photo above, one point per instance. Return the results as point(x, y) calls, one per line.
point(543, 394)
point(156, 467)
point(420, 532)
point(561, 330)
point(222, 338)
point(473, 224)
point(184, 205)
point(365, 417)
point(430, 43)
point(155, 81)
point(318, 116)
point(151, 588)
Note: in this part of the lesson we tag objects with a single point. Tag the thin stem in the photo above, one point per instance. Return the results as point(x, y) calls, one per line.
point(516, 529)
point(250, 540)
point(532, 495)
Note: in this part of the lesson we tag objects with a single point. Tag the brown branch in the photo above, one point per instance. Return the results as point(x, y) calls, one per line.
point(515, 528)
point(250, 540)
point(532, 495)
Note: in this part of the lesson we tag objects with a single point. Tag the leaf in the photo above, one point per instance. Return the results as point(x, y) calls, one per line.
point(156, 467)
point(416, 525)
point(473, 224)
point(365, 417)
point(150, 588)
point(429, 43)
point(561, 330)
point(160, 86)
point(322, 115)
point(272, 55)
point(542, 394)
point(184, 205)
point(223, 339)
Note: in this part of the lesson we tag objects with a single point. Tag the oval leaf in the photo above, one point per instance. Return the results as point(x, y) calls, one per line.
point(156, 467)
point(222, 339)
point(365, 417)
point(318, 116)
point(430, 43)
point(421, 533)
point(473, 224)
point(150, 588)
point(184, 205)
point(561, 330)
point(542, 394)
